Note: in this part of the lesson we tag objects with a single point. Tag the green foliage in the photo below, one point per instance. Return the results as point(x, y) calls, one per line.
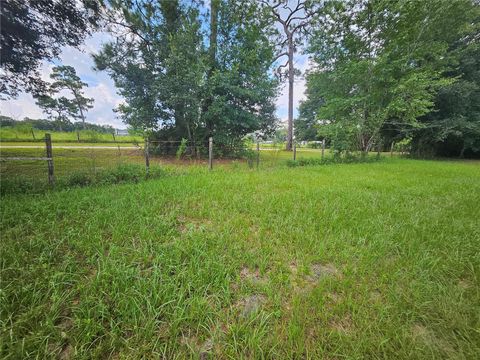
point(379, 63)
point(177, 88)
point(348, 158)
point(182, 148)
point(34, 31)
point(60, 108)
point(119, 174)
point(453, 129)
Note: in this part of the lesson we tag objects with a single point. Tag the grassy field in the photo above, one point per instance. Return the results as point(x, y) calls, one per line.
point(18, 134)
point(375, 260)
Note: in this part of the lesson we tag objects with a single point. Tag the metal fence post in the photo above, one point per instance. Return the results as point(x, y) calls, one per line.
point(48, 146)
point(210, 153)
point(323, 148)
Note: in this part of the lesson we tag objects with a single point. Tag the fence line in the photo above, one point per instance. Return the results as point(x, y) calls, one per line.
point(48, 158)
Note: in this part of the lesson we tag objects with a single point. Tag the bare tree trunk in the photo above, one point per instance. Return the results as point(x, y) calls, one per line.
point(290, 94)
point(212, 53)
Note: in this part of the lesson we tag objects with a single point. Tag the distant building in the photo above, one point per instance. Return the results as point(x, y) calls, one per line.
point(121, 132)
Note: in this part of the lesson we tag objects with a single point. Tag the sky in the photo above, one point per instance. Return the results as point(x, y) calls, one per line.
point(102, 89)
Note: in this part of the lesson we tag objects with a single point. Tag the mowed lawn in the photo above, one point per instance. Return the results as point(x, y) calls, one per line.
point(377, 260)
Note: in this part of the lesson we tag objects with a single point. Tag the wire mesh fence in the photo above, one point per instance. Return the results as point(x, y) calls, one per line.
point(83, 163)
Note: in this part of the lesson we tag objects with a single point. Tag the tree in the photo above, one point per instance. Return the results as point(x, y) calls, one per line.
point(453, 128)
point(177, 87)
point(307, 124)
point(63, 108)
point(66, 78)
point(34, 31)
point(293, 21)
point(380, 62)
point(60, 110)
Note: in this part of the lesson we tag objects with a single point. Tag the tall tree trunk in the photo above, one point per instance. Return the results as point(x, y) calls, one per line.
point(290, 94)
point(212, 51)
point(213, 32)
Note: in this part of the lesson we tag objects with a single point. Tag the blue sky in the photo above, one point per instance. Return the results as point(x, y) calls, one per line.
point(102, 89)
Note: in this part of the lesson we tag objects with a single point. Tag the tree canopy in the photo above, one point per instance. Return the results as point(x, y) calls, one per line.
point(63, 109)
point(382, 65)
point(33, 31)
point(183, 76)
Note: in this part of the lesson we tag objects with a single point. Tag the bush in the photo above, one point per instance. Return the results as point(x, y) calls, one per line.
point(181, 149)
point(121, 174)
point(347, 159)
point(124, 173)
point(80, 178)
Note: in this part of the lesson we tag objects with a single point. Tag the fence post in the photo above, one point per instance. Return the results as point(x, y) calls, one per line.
point(147, 156)
point(78, 136)
point(323, 148)
point(391, 149)
point(258, 153)
point(210, 153)
point(48, 145)
point(294, 150)
point(33, 134)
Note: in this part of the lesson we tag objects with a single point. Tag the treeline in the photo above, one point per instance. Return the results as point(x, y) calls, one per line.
point(382, 71)
point(395, 71)
point(48, 125)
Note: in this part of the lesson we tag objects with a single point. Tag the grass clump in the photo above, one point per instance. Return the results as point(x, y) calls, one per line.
point(118, 174)
point(346, 159)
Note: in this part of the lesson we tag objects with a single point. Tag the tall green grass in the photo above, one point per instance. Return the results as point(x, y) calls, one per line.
point(375, 260)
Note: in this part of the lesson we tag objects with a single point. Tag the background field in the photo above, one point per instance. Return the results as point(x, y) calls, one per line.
point(18, 134)
point(374, 260)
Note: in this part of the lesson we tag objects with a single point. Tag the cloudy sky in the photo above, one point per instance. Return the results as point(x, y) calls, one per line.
point(103, 91)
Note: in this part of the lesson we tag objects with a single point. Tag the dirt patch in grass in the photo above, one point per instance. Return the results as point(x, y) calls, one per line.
point(66, 353)
point(204, 349)
point(187, 224)
point(376, 296)
point(321, 271)
point(342, 325)
point(253, 276)
point(422, 334)
point(250, 304)
point(464, 284)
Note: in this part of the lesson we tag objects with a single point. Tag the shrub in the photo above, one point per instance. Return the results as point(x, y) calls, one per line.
point(80, 178)
point(182, 148)
point(347, 159)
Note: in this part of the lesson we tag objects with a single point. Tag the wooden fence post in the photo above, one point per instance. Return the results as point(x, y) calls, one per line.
point(294, 150)
point(323, 148)
point(210, 153)
point(33, 134)
point(147, 156)
point(258, 153)
point(78, 136)
point(391, 149)
point(48, 145)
